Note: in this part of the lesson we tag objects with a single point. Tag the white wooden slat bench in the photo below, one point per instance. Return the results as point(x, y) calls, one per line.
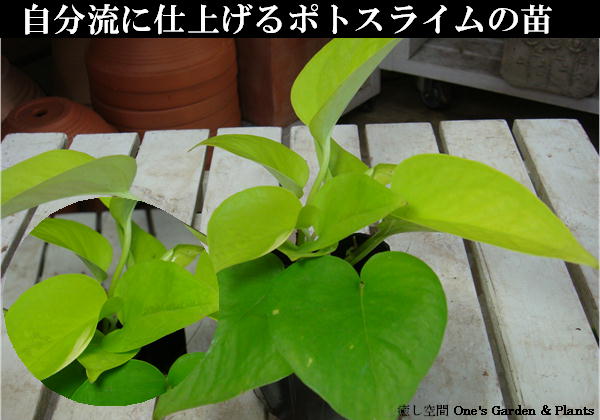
point(520, 328)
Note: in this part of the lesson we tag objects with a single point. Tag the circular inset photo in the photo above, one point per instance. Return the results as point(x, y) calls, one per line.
point(96, 302)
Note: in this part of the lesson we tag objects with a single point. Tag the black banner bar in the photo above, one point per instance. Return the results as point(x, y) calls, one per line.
point(277, 18)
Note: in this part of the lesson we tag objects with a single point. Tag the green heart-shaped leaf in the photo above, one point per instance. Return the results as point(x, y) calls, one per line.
point(250, 224)
point(97, 360)
point(472, 200)
point(287, 166)
point(134, 382)
point(182, 254)
point(63, 173)
point(159, 298)
point(325, 86)
point(93, 249)
point(144, 246)
point(182, 367)
point(344, 205)
point(242, 355)
point(51, 323)
point(363, 343)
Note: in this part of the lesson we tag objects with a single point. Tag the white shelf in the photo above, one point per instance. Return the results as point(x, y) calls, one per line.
point(473, 62)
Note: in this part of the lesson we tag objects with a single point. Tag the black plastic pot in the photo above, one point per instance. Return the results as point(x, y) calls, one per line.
point(163, 352)
point(289, 398)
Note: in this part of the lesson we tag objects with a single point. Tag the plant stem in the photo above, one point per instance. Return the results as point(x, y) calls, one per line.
point(323, 169)
point(369, 245)
point(122, 259)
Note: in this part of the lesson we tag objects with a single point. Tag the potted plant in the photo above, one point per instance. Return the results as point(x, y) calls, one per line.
point(290, 299)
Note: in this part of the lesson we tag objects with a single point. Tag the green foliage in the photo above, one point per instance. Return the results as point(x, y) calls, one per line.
point(242, 354)
point(250, 224)
point(63, 173)
point(96, 360)
point(472, 200)
point(362, 341)
point(51, 323)
point(328, 82)
point(132, 383)
point(344, 205)
point(93, 249)
point(183, 366)
point(182, 254)
point(394, 314)
point(284, 164)
point(173, 300)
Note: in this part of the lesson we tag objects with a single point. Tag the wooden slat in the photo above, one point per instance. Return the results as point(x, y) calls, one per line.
point(168, 174)
point(22, 273)
point(545, 342)
point(560, 156)
point(16, 148)
point(21, 392)
point(96, 145)
point(464, 373)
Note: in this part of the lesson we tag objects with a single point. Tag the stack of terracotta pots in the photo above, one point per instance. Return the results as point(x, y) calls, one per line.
point(150, 84)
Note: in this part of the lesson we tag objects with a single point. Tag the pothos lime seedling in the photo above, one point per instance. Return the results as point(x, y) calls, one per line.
point(363, 341)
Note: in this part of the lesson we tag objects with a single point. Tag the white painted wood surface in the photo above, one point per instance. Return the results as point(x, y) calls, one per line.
point(564, 168)
point(168, 173)
point(16, 148)
point(464, 373)
point(545, 342)
point(547, 351)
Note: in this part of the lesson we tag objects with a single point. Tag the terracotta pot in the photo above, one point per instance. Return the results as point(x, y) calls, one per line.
point(267, 70)
point(168, 117)
point(229, 116)
point(153, 84)
point(158, 65)
point(17, 88)
point(151, 100)
point(55, 114)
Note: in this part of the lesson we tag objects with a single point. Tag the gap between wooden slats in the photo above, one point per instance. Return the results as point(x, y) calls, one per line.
point(17, 148)
point(545, 342)
point(564, 168)
point(464, 372)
